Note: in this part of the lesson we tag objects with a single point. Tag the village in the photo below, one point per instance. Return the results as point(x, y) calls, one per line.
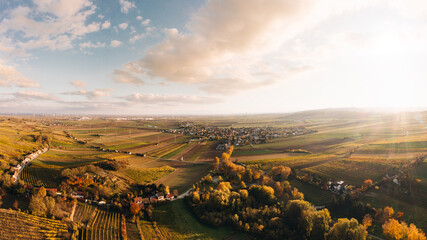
point(20, 167)
point(237, 136)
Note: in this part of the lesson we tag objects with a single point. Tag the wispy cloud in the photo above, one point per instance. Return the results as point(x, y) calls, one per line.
point(92, 45)
point(122, 76)
point(33, 95)
point(78, 84)
point(95, 94)
point(159, 99)
point(9, 76)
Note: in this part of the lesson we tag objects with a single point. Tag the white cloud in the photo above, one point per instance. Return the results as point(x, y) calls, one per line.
point(100, 16)
point(146, 22)
point(50, 24)
point(97, 93)
point(122, 76)
point(92, 45)
point(126, 6)
point(115, 43)
point(32, 95)
point(217, 46)
point(106, 25)
point(9, 76)
point(158, 99)
point(78, 83)
point(123, 26)
point(138, 18)
point(135, 38)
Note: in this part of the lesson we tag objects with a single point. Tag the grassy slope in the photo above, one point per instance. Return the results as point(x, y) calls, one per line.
point(177, 220)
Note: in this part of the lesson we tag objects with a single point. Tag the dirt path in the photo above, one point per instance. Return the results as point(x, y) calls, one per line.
point(181, 196)
point(73, 211)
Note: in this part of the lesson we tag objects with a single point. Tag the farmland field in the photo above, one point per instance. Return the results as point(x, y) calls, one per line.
point(19, 225)
point(102, 225)
point(347, 147)
point(175, 221)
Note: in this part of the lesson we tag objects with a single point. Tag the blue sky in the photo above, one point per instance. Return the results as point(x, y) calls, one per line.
point(210, 57)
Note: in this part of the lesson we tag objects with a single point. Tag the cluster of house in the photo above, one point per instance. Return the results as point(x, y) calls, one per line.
point(80, 196)
point(394, 178)
point(238, 136)
point(159, 197)
point(49, 191)
point(27, 159)
point(337, 187)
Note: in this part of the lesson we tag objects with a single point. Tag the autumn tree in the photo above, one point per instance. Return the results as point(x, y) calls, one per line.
point(224, 186)
point(42, 192)
point(262, 194)
point(280, 173)
point(393, 229)
point(388, 212)
point(366, 184)
point(134, 208)
point(320, 224)
point(195, 197)
point(37, 206)
point(347, 229)
point(367, 221)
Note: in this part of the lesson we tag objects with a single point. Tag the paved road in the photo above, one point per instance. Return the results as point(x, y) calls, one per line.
point(183, 195)
point(22, 168)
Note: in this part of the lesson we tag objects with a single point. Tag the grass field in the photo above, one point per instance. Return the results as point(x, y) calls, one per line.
point(175, 221)
point(147, 175)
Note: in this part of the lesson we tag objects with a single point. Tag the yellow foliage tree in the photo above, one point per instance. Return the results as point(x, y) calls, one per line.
point(42, 192)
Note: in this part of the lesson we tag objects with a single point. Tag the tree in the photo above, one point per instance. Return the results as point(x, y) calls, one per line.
point(321, 220)
point(392, 229)
point(262, 194)
point(195, 197)
point(225, 156)
point(37, 206)
point(243, 194)
point(134, 208)
point(42, 192)
point(162, 188)
point(217, 160)
point(224, 186)
point(15, 204)
point(347, 229)
point(280, 173)
point(297, 215)
point(366, 184)
point(367, 220)
point(388, 212)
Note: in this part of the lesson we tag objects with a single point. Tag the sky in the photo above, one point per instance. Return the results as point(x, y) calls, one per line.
point(156, 57)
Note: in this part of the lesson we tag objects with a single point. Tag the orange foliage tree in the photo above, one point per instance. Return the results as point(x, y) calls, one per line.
point(394, 229)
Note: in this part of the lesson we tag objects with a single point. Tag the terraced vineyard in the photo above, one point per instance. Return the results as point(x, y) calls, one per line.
point(36, 176)
point(83, 213)
point(165, 150)
point(19, 225)
point(102, 225)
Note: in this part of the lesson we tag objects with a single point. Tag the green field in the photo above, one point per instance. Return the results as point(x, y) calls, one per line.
point(175, 221)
